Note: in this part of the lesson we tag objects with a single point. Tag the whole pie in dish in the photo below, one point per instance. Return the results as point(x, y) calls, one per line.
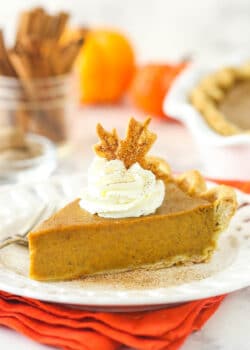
point(223, 99)
point(133, 214)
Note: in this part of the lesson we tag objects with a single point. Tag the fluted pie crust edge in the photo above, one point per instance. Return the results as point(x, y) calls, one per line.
point(211, 90)
point(194, 184)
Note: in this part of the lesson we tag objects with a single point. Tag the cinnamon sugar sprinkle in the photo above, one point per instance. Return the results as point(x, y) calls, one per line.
point(164, 277)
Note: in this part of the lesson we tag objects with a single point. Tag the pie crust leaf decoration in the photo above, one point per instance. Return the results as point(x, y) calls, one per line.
point(108, 145)
point(132, 149)
point(136, 144)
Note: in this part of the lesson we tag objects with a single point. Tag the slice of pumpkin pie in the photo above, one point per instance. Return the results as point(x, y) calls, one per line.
point(133, 214)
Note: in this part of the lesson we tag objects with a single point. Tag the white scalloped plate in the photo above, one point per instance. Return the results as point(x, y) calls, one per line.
point(228, 270)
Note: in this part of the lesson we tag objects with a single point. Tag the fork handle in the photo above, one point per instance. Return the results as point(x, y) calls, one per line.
point(14, 239)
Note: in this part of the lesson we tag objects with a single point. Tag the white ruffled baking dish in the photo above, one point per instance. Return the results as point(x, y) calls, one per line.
point(222, 156)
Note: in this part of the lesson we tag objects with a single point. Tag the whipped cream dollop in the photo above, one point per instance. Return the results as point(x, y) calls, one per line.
point(116, 192)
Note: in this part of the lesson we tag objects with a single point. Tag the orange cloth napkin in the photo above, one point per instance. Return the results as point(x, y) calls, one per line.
point(70, 329)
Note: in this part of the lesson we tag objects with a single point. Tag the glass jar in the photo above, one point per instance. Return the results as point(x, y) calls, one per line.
point(38, 106)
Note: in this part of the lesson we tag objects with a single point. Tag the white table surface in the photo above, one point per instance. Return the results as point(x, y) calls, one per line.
point(228, 329)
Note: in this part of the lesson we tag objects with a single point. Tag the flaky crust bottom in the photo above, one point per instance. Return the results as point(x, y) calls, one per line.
point(183, 260)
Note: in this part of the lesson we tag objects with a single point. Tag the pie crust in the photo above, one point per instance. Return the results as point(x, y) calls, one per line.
point(214, 98)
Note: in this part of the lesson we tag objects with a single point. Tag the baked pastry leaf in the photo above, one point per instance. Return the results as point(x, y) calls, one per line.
point(108, 145)
point(133, 148)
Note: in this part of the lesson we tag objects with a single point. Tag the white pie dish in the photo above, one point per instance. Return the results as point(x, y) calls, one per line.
point(222, 156)
point(228, 270)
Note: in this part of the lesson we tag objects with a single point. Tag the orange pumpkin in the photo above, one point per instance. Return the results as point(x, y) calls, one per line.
point(105, 65)
point(150, 85)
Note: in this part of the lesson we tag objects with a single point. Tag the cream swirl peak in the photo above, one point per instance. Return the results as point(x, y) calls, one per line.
point(113, 191)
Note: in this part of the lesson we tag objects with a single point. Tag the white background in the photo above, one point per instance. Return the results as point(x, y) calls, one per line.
point(160, 29)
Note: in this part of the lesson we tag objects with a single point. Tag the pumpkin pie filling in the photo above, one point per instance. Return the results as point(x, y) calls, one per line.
point(236, 105)
point(183, 229)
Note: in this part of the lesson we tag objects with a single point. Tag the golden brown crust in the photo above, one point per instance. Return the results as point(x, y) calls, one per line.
point(244, 72)
point(223, 197)
point(191, 182)
point(108, 144)
point(225, 77)
point(158, 166)
point(218, 121)
point(225, 204)
point(212, 89)
point(136, 144)
point(210, 92)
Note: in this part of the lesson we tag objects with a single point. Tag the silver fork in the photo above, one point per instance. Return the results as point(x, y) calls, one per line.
point(21, 238)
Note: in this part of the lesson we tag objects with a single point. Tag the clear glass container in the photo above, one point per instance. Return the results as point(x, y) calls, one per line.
point(38, 106)
point(35, 168)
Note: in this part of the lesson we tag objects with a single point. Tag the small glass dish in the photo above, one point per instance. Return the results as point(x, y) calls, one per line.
point(31, 169)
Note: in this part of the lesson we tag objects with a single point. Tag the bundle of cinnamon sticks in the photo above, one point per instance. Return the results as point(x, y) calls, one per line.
point(39, 53)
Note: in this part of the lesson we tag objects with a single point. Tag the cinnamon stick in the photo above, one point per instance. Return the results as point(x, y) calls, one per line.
point(38, 53)
point(5, 62)
point(23, 26)
point(69, 53)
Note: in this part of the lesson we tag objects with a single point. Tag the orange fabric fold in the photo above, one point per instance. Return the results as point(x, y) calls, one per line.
point(241, 185)
point(70, 329)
